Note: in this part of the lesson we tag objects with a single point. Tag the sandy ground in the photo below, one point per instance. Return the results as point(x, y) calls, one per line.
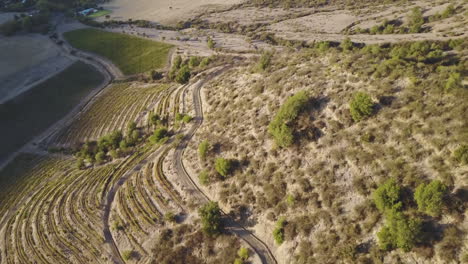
point(25, 60)
point(163, 11)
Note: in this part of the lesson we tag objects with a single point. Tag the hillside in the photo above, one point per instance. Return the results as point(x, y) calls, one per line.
point(258, 131)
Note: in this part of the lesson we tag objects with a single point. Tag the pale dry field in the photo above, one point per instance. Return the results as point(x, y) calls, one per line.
point(163, 11)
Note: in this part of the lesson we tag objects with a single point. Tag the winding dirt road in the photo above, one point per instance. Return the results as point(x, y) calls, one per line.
point(257, 245)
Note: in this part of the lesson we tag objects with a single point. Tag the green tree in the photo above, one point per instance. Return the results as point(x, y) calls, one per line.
point(361, 106)
point(400, 231)
point(223, 166)
point(154, 119)
point(210, 215)
point(278, 232)
point(183, 75)
point(388, 196)
point(429, 197)
point(203, 148)
point(279, 127)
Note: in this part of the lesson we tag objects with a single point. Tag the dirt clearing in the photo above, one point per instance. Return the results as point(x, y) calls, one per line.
point(164, 11)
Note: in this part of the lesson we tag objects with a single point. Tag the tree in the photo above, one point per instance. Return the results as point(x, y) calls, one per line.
point(223, 166)
point(203, 177)
point(278, 232)
point(211, 218)
point(279, 127)
point(361, 106)
point(454, 81)
point(159, 135)
point(429, 197)
point(80, 164)
point(203, 148)
point(388, 196)
point(183, 75)
point(400, 231)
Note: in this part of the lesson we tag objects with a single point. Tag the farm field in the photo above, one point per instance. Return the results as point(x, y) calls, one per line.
point(131, 54)
point(35, 110)
point(112, 110)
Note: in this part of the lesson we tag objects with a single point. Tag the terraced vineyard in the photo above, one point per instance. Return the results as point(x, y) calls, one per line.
point(112, 110)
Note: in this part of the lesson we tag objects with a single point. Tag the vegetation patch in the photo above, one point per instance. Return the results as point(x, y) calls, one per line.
point(131, 54)
point(281, 125)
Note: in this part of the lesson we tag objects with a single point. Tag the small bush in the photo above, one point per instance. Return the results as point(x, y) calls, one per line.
point(461, 154)
point(203, 149)
point(204, 178)
point(278, 232)
point(211, 218)
point(346, 45)
point(388, 196)
point(265, 61)
point(243, 253)
point(127, 254)
point(223, 166)
point(429, 197)
point(211, 43)
point(361, 106)
point(416, 20)
point(454, 81)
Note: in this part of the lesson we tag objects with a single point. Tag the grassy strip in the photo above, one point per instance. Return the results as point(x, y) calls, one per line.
point(32, 112)
point(100, 13)
point(131, 54)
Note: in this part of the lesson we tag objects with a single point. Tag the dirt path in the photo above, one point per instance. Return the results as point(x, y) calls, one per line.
point(257, 245)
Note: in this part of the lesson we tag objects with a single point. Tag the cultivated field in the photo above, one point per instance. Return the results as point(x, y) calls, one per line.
point(131, 54)
point(37, 109)
point(113, 110)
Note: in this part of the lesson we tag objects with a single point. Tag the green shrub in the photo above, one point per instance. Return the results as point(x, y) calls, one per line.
point(203, 149)
point(461, 154)
point(361, 106)
point(127, 254)
point(453, 82)
point(100, 157)
point(416, 20)
point(211, 43)
point(278, 232)
point(186, 119)
point(346, 44)
point(223, 166)
point(243, 253)
point(388, 196)
point(183, 75)
point(194, 62)
point(429, 197)
point(159, 135)
point(279, 127)
point(400, 231)
point(210, 215)
point(265, 60)
point(203, 177)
